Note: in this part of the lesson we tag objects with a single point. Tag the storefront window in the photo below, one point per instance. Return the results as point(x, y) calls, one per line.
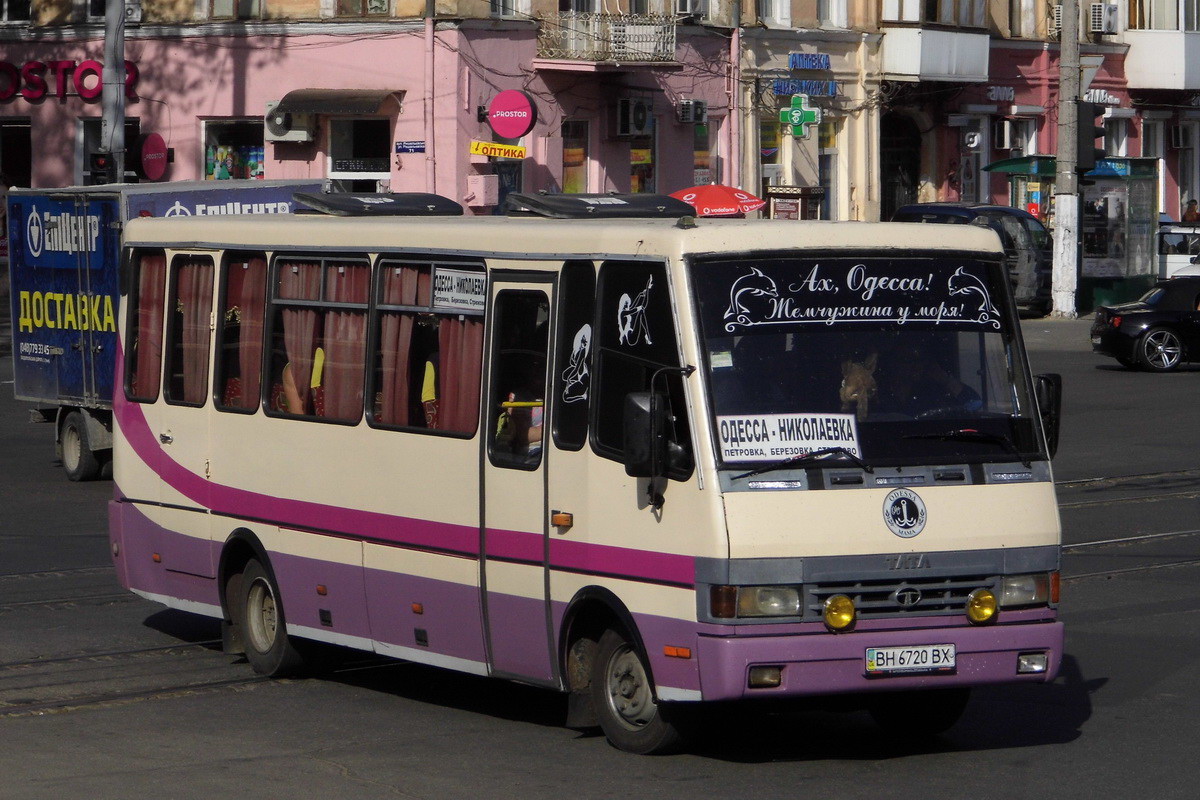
point(575, 156)
point(702, 161)
point(827, 165)
point(768, 141)
point(641, 158)
point(358, 154)
point(233, 149)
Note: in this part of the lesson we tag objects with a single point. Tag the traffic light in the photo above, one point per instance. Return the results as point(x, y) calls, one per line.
point(102, 168)
point(1090, 127)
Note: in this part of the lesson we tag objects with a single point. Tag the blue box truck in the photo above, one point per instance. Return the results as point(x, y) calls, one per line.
point(64, 264)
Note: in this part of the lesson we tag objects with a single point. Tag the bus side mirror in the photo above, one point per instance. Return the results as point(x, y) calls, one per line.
point(1049, 400)
point(648, 452)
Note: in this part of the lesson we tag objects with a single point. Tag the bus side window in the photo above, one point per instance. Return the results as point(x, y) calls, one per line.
point(572, 383)
point(426, 368)
point(636, 339)
point(319, 337)
point(188, 335)
point(143, 351)
point(240, 332)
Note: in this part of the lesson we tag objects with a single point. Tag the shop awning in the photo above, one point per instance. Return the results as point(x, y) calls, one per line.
point(336, 101)
point(1025, 165)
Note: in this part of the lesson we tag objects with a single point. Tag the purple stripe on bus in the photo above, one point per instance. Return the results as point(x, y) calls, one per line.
point(404, 531)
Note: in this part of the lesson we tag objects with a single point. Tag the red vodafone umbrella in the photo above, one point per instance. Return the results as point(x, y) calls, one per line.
point(716, 200)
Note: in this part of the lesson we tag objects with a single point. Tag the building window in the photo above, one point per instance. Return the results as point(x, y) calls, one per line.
point(575, 156)
point(776, 12)
point(233, 149)
point(235, 9)
point(1116, 136)
point(16, 10)
point(827, 165)
point(1022, 20)
point(1152, 147)
point(702, 156)
point(358, 8)
point(832, 13)
point(512, 8)
point(96, 10)
point(964, 13)
point(1161, 15)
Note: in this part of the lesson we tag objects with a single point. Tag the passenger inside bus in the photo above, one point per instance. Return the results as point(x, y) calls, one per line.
point(914, 382)
point(519, 428)
point(296, 402)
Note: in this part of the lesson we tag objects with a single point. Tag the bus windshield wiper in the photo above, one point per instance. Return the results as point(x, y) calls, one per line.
point(808, 458)
point(972, 435)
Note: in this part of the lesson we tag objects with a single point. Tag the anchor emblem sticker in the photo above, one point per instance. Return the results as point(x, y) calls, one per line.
point(904, 513)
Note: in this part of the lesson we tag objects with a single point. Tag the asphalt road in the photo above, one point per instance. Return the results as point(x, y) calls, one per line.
point(104, 695)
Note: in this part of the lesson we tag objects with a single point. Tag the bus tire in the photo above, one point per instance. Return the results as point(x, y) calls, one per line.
point(921, 713)
point(78, 459)
point(263, 626)
point(624, 699)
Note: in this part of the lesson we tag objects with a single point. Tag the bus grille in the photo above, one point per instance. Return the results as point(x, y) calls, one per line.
point(883, 599)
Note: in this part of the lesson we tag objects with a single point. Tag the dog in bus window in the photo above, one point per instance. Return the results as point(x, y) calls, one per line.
point(858, 385)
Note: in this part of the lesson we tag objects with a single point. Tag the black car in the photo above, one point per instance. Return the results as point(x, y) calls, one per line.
point(1158, 332)
point(1027, 244)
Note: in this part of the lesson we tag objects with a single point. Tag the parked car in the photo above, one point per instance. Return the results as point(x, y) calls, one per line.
point(1027, 244)
point(1158, 332)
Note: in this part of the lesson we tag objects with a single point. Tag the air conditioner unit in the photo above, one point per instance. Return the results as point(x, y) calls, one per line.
point(286, 126)
point(1056, 20)
point(694, 111)
point(133, 12)
point(1003, 135)
point(1103, 18)
point(1179, 138)
point(633, 116)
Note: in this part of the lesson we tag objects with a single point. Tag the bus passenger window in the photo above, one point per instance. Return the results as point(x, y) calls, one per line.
point(240, 332)
point(518, 384)
point(319, 339)
point(188, 336)
point(576, 302)
point(143, 359)
point(428, 360)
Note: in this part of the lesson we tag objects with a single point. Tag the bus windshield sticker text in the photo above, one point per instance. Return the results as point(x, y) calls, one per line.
point(824, 295)
point(78, 312)
point(459, 289)
point(769, 437)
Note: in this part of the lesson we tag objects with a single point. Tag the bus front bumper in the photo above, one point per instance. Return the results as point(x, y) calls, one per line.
point(830, 663)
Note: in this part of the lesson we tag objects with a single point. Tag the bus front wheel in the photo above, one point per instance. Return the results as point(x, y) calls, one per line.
point(264, 630)
point(623, 697)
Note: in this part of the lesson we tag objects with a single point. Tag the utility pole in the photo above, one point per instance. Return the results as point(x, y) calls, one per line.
point(1066, 183)
point(112, 96)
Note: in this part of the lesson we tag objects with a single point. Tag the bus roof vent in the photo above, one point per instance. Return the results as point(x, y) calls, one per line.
point(598, 206)
point(400, 204)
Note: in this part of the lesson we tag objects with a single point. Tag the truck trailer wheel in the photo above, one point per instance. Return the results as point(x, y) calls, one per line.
point(77, 457)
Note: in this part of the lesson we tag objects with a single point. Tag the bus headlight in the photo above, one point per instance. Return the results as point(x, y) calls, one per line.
point(1024, 590)
point(768, 601)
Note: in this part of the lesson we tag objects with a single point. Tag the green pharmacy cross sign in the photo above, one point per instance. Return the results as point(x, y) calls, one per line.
point(797, 118)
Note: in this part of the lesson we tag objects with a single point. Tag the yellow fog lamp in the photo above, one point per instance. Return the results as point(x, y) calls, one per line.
point(839, 612)
point(981, 606)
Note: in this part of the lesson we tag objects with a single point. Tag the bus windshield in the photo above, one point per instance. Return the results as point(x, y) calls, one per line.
point(901, 361)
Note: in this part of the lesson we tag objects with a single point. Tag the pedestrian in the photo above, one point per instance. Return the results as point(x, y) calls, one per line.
point(1191, 213)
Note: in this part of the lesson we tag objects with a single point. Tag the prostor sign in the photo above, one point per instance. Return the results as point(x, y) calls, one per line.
point(34, 79)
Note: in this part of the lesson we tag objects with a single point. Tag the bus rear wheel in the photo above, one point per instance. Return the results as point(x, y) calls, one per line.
point(624, 699)
point(264, 629)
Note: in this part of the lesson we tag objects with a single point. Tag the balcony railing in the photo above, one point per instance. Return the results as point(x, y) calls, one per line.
point(579, 36)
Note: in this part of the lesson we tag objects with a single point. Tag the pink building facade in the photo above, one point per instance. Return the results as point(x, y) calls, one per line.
point(393, 106)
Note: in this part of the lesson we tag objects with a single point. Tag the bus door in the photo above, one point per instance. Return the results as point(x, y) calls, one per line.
point(515, 524)
point(184, 410)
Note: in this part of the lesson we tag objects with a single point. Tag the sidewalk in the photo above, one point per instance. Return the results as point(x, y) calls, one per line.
point(1053, 333)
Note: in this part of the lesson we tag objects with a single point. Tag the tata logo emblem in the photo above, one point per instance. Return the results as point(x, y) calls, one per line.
point(906, 596)
point(904, 513)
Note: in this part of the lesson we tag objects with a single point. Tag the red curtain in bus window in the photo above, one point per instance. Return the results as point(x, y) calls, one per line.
point(345, 340)
point(194, 284)
point(300, 281)
point(147, 342)
point(402, 286)
point(460, 342)
point(252, 300)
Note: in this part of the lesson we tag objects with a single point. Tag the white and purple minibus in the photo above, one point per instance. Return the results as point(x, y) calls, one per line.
point(595, 445)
